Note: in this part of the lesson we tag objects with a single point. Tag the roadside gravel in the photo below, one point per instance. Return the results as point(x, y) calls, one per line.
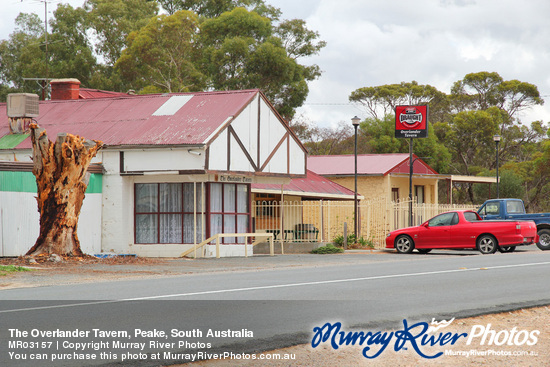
point(537, 355)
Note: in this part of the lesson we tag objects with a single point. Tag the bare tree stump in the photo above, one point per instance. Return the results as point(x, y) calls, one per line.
point(60, 171)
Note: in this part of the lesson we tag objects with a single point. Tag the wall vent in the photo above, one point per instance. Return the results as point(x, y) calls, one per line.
point(22, 105)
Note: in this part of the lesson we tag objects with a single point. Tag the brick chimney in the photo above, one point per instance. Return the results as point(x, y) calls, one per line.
point(65, 89)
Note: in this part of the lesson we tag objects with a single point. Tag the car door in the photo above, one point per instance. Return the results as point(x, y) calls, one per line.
point(437, 232)
point(464, 234)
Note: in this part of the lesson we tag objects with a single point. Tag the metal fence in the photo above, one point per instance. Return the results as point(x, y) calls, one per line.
point(323, 220)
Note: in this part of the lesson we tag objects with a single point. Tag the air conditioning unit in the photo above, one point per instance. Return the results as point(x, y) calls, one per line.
point(22, 105)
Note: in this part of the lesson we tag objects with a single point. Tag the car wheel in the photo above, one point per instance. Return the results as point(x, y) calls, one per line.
point(486, 244)
point(507, 249)
point(404, 244)
point(424, 250)
point(544, 239)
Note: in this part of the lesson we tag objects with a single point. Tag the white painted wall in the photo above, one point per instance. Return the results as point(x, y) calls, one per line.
point(297, 159)
point(118, 206)
point(218, 153)
point(238, 160)
point(172, 250)
point(246, 127)
point(167, 159)
point(279, 161)
point(16, 155)
point(272, 131)
point(20, 223)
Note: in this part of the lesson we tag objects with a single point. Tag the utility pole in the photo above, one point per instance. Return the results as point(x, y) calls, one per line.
point(43, 82)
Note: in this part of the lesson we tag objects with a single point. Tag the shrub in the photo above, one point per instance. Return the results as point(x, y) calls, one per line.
point(328, 249)
point(361, 242)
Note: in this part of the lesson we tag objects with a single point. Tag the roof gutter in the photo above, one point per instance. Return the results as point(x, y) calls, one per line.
point(153, 146)
point(319, 195)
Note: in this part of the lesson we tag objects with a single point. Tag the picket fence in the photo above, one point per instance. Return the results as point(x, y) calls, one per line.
point(323, 220)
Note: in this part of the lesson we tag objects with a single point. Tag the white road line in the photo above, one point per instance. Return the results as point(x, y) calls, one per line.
point(330, 281)
point(321, 282)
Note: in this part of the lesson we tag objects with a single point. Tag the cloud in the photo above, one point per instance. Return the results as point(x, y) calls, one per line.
point(374, 42)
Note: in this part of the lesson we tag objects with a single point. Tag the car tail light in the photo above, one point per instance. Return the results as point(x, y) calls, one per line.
point(518, 228)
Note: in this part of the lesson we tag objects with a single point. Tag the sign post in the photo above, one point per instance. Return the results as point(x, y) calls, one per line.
point(411, 122)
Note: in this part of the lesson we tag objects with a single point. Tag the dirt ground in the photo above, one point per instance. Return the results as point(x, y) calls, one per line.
point(519, 323)
point(537, 355)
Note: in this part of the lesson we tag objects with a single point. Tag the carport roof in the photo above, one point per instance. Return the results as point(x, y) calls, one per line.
point(312, 186)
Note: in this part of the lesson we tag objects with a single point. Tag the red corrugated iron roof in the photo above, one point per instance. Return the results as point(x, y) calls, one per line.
point(313, 185)
point(367, 164)
point(87, 93)
point(130, 120)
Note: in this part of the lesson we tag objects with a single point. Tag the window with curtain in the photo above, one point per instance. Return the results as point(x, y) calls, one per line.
point(165, 213)
point(229, 210)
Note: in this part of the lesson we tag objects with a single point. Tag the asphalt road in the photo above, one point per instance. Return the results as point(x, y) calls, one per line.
point(275, 307)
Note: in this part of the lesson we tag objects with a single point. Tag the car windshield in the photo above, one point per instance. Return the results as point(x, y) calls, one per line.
point(471, 216)
point(492, 208)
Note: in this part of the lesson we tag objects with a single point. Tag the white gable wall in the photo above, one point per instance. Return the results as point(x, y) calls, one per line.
point(279, 161)
point(238, 160)
point(297, 161)
point(245, 126)
point(217, 156)
point(271, 132)
point(269, 140)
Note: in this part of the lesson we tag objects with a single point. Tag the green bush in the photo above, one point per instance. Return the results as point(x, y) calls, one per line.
point(361, 242)
point(328, 249)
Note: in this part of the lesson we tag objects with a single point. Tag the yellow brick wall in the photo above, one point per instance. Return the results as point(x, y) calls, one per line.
point(430, 192)
point(375, 187)
point(371, 187)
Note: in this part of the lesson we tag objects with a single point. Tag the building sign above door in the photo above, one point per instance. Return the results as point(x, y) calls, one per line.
point(233, 178)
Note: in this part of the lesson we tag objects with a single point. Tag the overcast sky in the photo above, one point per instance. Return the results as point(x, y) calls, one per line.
point(376, 42)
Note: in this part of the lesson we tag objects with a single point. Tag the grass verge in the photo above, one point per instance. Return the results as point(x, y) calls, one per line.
point(8, 269)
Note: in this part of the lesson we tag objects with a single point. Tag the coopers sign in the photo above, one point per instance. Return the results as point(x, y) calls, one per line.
point(411, 121)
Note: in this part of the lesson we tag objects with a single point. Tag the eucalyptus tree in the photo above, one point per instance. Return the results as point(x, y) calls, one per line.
point(21, 55)
point(215, 8)
point(163, 57)
point(381, 100)
point(111, 21)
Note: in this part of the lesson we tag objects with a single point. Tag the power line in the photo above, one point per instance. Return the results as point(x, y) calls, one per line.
point(354, 103)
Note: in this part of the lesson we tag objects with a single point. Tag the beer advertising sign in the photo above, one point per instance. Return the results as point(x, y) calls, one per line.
point(411, 121)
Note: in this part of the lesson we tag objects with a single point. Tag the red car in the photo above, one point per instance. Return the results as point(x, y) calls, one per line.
point(463, 229)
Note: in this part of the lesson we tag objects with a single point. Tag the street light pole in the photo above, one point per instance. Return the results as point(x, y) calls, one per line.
point(411, 170)
point(496, 139)
point(355, 121)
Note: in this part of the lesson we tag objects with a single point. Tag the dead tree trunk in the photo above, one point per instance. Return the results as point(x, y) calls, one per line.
point(60, 171)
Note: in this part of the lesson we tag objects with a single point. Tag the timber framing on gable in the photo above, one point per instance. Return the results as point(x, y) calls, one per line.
point(239, 142)
point(256, 141)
